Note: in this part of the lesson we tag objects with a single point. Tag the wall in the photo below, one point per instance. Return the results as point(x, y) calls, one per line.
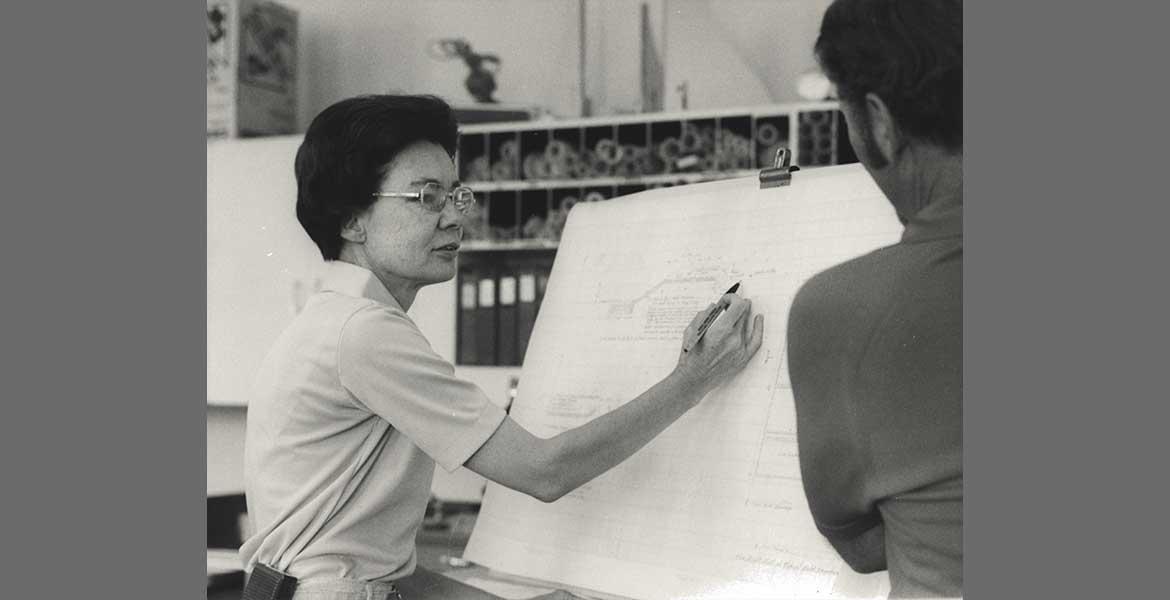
point(613, 31)
point(738, 52)
point(350, 48)
point(225, 450)
point(730, 52)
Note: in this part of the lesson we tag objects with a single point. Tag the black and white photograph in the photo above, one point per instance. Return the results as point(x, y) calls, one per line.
point(584, 299)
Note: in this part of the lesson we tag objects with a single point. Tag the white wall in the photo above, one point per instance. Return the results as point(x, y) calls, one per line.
point(739, 52)
point(613, 45)
point(350, 48)
point(730, 52)
point(225, 450)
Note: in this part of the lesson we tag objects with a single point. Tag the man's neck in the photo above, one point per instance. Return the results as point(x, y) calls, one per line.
point(926, 175)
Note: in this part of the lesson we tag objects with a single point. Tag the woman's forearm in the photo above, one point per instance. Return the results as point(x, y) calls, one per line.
point(581, 454)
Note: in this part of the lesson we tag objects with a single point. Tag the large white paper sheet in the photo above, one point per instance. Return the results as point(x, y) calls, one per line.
point(713, 507)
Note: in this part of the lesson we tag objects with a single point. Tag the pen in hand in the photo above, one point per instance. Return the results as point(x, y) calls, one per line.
point(708, 320)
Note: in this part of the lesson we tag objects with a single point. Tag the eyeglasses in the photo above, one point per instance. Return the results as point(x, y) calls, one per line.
point(433, 198)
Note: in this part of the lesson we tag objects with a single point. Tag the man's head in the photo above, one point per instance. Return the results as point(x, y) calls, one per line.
point(347, 149)
point(898, 69)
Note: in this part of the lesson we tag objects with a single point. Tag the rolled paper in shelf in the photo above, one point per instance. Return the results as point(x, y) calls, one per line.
point(568, 202)
point(557, 150)
point(478, 169)
point(530, 168)
point(509, 150)
point(647, 164)
point(687, 162)
point(738, 142)
point(707, 137)
point(631, 152)
point(555, 224)
point(690, 141)
point(506, 233)
point(669, 150)
point(579, 169)
point(594, 196)
point(503, 171)
point(559, 169)
point(814, 117)
point(608, 151)
point(533, 227)
point(597, 166)
point(767, 134)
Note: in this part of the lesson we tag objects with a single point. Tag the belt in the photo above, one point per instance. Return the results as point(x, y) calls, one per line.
point(267, 583)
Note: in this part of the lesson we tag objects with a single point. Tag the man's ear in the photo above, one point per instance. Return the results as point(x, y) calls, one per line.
point(354, 230)
point(886, 135)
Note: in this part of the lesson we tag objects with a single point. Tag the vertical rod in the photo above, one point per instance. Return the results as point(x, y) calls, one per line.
point(585, 108)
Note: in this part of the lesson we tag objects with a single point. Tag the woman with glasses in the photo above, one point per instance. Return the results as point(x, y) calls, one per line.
point(352, 408)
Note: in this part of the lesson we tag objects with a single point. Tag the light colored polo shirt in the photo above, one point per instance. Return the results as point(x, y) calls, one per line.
point(351, 410)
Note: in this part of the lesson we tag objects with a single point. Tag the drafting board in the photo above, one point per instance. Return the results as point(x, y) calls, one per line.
point(713, 507)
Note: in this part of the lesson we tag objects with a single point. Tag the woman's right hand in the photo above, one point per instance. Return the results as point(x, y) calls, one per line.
point(727, 346)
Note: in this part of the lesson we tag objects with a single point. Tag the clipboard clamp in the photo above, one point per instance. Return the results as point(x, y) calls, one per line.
point(781, 173)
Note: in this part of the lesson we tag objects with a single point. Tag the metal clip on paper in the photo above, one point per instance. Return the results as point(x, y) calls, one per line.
point(781, 173)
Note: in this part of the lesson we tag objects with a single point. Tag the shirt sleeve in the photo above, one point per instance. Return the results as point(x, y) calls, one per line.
point(834, 461)
point(388, 366)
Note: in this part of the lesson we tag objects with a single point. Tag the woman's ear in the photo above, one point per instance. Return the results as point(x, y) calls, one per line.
point(354, 230)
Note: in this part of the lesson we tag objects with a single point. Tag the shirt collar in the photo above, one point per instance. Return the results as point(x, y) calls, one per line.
point(352, 280)
point(938, 220)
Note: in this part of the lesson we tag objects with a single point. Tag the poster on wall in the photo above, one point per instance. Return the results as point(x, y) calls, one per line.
point(251, 68)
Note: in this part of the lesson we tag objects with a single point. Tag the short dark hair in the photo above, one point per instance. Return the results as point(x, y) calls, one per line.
point(342, 160)
point(907, 52)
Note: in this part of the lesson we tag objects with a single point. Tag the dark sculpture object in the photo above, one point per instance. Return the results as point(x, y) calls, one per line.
point(481, 82)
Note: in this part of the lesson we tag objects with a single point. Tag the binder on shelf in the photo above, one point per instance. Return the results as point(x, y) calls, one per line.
point(525, 309)
point(506, 310)
point(542, 274)
point(468, 291)
point(485, 316)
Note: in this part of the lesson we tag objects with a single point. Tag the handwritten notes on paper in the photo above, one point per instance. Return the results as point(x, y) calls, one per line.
point(713, 507)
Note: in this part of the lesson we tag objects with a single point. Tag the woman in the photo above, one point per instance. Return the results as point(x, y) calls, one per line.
point(352, 407)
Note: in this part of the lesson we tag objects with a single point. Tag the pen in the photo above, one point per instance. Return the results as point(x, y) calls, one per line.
point(709, 319)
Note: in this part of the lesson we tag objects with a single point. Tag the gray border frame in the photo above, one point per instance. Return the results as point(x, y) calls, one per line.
point(1064, 329)
point(105, 333)
point(104, 126)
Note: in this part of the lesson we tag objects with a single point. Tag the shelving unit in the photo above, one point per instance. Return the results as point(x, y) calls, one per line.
point(528, 175)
